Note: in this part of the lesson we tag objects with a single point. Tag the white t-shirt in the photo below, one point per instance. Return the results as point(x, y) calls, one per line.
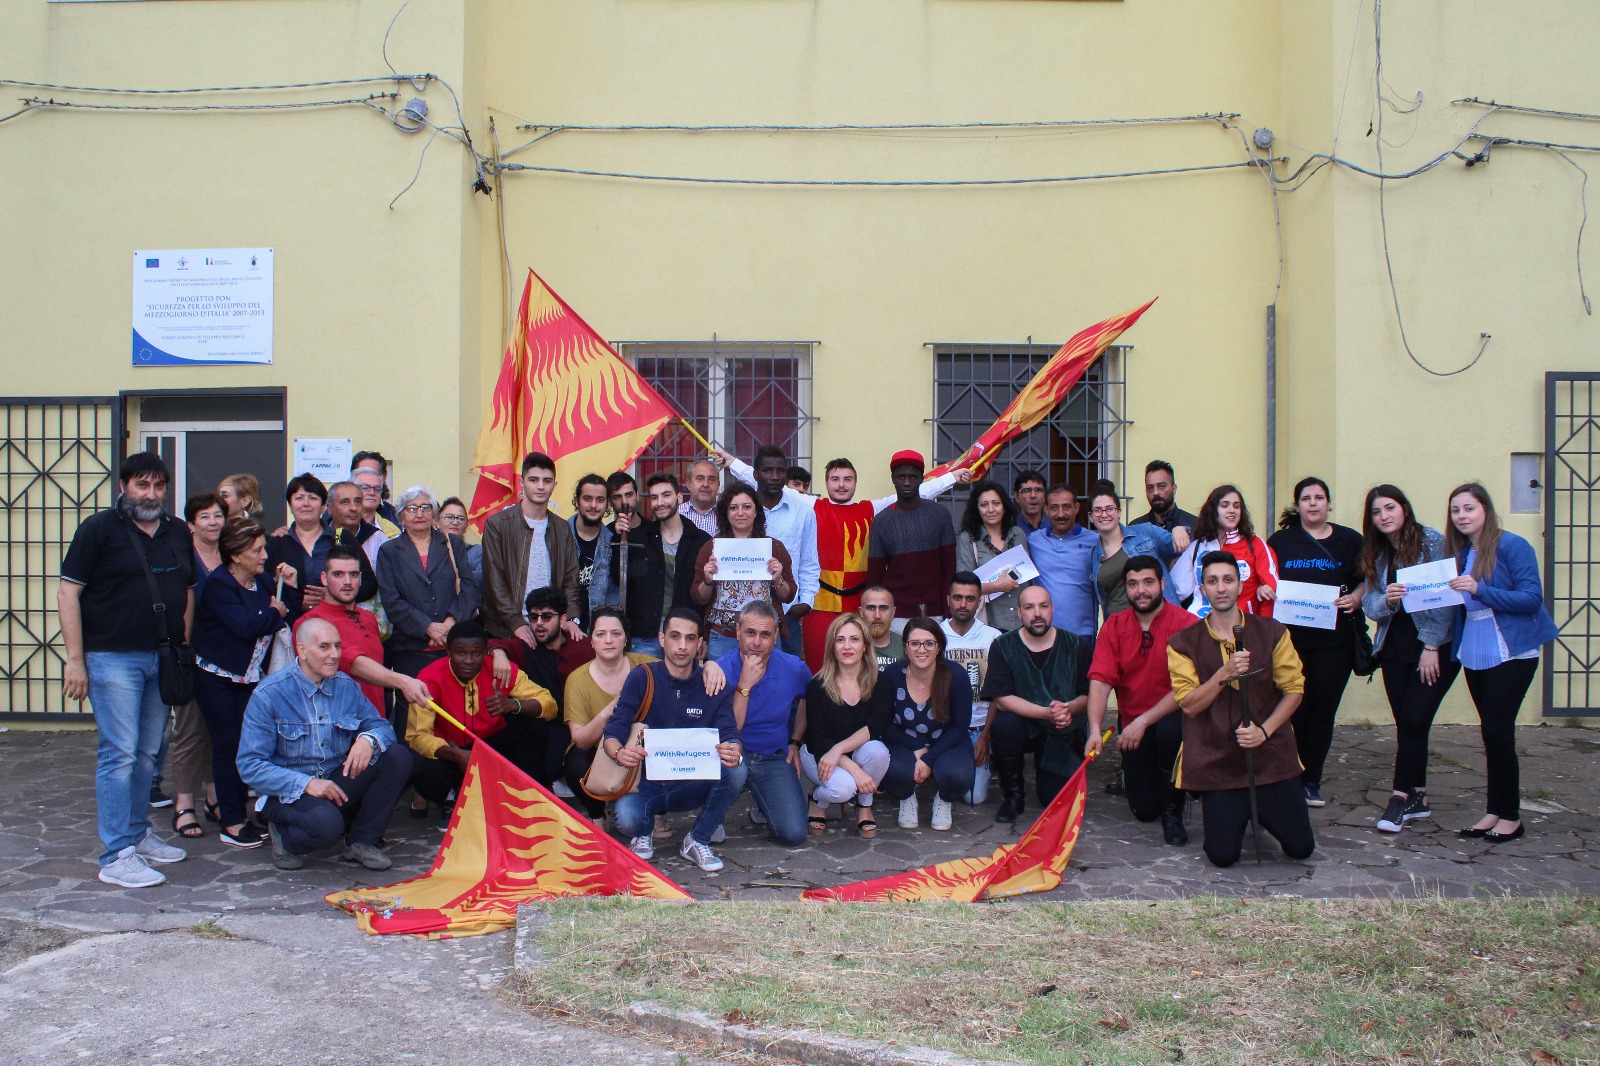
point(972, 651)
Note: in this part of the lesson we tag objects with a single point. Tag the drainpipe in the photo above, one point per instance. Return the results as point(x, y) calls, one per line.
point(1272, 414)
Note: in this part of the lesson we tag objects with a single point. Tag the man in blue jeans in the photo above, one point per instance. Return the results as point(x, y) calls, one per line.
point(770, 683)
point(678, 700)
point(110, 626)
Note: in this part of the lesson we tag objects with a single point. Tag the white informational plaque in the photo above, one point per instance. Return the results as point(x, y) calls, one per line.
point(1428, 585)
point(1302, 603)
point(742, 559)
point(326, 457)
point(681, 755)
point(202, 306)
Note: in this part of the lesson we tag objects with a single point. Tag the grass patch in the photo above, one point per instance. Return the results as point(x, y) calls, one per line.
point(1199, 981)
point(211, 931)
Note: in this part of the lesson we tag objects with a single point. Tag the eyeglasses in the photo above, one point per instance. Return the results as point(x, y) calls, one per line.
point(374, 489)
point(1029, 490)
point(922, 645)
point(1108, 511)
point(453, 519)
point(417, 508)
point(544, 616)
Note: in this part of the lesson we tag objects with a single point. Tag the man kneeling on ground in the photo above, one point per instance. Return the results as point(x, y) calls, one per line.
point(678, 700)
point(314, 748)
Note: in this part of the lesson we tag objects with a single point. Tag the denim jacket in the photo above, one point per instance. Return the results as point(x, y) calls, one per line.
point(1139, 539)
point(602, 590)
point(1514, 594)
point(295, 730)
point(1433, 627)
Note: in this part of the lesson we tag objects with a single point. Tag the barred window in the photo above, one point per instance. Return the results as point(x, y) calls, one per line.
point(1081, 442)
point(740, 394)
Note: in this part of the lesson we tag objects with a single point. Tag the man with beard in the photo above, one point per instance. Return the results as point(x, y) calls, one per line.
point(555, 652)
point(1130, 656)
point(1038, 682)
point(622, 493)
point(588, 525)
point(1161, 492)
point(661, 554)
point(967, 643)
point(360, 650)
point(877, 607)
point(127, 589)
point(912, 551)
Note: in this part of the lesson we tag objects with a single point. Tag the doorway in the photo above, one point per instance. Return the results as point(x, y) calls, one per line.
point(204, 436)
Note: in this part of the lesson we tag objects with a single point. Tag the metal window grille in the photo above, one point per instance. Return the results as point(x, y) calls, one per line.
point(58, 463)
point(1081, 442)
point(1571, 556)
point(740, 394)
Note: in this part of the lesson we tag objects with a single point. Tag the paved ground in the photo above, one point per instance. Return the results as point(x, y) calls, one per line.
point(47, 842)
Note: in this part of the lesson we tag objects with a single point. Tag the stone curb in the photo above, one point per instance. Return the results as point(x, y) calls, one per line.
point(814, 1049)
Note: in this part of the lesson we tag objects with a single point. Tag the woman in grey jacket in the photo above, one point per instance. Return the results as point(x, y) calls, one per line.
point(425, 582)
point(1413, 650)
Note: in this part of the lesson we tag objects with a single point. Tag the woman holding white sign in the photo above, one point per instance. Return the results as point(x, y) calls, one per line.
point(739, 517)
point(1314, 551)
point(1497, 642)
point(1412, 649)
point(989, 528)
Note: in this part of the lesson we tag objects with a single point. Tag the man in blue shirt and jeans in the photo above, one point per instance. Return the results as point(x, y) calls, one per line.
point(1061, 551)
point(678, 700)
point(770, 683)
point(314, 746)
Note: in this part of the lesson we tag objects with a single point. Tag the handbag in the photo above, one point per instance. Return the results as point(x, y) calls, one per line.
point(607, 779)
point(174, 662)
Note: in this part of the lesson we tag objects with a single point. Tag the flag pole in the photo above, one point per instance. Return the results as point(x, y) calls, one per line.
point(696, 434)
point(447, 716)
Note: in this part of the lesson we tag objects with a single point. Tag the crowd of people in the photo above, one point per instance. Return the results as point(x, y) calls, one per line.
point(888, 651)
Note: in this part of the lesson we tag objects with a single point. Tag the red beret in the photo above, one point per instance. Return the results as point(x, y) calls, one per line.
point(907, 458)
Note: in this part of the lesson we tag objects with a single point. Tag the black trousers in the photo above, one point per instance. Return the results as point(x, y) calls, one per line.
point(1327, 673)
point(1498, 694)
point(1011, 736)
point(1414, 703)
point(575, 764)
point(310, 823)
point(1226, 813)
point(1147, 769)
point(524, 743)
point(222, 703)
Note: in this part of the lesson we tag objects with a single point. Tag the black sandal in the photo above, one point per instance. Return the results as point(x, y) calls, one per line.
point(868, 826)
point(213, 815)
point(818, 823)
point(193, 829)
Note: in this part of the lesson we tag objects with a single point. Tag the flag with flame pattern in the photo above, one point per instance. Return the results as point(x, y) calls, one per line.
point(1041, 394)
point(509, 842)
point(1034, 863)
point(564, 392)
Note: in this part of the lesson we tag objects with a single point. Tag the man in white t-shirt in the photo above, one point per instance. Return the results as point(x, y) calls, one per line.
point(967, 643)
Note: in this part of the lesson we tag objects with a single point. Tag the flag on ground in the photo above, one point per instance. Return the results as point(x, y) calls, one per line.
point(564, 392)
point(1041, 394)
point(510, 842)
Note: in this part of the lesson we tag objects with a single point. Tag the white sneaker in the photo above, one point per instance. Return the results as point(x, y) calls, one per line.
point(941, 814)
point(719, 836)
point(560, 789)
point(643, 846)
point(129, 871)
point(908, 813)
point(153, 849)
point(700, 854)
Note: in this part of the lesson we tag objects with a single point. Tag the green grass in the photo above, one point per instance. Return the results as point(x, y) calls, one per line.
point(1199, 981)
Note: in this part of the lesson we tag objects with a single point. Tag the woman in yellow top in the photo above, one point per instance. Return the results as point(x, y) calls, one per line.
point(591, 693)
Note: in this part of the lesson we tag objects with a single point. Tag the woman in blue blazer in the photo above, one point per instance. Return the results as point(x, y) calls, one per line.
point(1497, 641)
point(233, 626)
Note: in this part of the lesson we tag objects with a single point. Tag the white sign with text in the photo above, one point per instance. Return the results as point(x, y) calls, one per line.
point(742, 558)
point(1301, 603)
point(1428, 585)
point(202, 306)
point(681, 755)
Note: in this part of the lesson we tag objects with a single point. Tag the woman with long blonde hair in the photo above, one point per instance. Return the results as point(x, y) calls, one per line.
point(838, 731)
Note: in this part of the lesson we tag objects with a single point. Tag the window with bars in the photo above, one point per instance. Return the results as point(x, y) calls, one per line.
point(1081, 442)
point(740, 394)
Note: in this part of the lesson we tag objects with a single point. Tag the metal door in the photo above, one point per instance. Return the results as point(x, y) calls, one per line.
point(1571, 554)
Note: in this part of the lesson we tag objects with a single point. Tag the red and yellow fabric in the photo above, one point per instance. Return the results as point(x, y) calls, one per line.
point(564, 392)
point(1035, 863)
point(509, 842)
point(427, 732)
point(1041, 394)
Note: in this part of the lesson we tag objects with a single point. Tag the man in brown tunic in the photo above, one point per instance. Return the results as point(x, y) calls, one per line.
point(1216, 733)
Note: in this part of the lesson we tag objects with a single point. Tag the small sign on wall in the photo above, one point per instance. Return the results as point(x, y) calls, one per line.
point(326, 457)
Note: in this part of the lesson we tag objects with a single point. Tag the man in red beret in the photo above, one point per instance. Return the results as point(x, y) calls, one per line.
point(913, 548)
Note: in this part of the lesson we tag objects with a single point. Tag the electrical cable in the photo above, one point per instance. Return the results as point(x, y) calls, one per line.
point(306, 105)
point(845, 127)
point(1583, 222)
point(413, 78)
point(1581, 116)
point(849, 183)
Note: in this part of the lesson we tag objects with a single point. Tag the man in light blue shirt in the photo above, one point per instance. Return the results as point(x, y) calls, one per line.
point(792, 520)
point(313, 745)
point(1061, 552)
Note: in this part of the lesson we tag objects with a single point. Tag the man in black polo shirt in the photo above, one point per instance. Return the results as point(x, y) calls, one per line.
point(109, 629)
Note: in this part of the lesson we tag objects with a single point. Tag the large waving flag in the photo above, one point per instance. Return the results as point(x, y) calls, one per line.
point(1035, 863)
point(564, 392)
point(509, 842)
point(1041, 394)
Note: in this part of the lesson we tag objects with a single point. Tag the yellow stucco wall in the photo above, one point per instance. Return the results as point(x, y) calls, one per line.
point(389, 320)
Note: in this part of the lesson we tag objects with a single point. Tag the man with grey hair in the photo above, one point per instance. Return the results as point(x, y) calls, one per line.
point(703, 482)
point(342, 767)
point(771, 686)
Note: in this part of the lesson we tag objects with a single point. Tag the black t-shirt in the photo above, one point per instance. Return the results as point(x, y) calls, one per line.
point(828, 723)
point(116, 607)
point(585, 574)
point(1334, 561)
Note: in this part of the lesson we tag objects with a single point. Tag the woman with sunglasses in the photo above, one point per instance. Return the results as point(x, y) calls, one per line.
point(928, 735)
point(1498, 633)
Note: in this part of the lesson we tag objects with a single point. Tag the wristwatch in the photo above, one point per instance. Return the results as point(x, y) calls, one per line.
point(741, 691)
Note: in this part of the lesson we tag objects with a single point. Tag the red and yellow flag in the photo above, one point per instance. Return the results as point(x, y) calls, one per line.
point(1047, 388)
point(1034, 863)
point(509, 842)
point(564, 392)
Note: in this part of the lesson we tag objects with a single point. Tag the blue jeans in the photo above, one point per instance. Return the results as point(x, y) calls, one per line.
point(646, 646)
point(794, 640)
point(776, 788)
point(718, 645)
point(132, 719)
point(634, 814)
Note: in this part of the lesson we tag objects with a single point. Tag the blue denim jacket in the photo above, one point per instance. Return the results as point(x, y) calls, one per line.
point(295, 730)
point(1433, 627)
point(601, 589)
point(1139, 539)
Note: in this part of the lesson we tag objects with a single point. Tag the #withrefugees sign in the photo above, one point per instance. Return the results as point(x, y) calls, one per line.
point(202, 306)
